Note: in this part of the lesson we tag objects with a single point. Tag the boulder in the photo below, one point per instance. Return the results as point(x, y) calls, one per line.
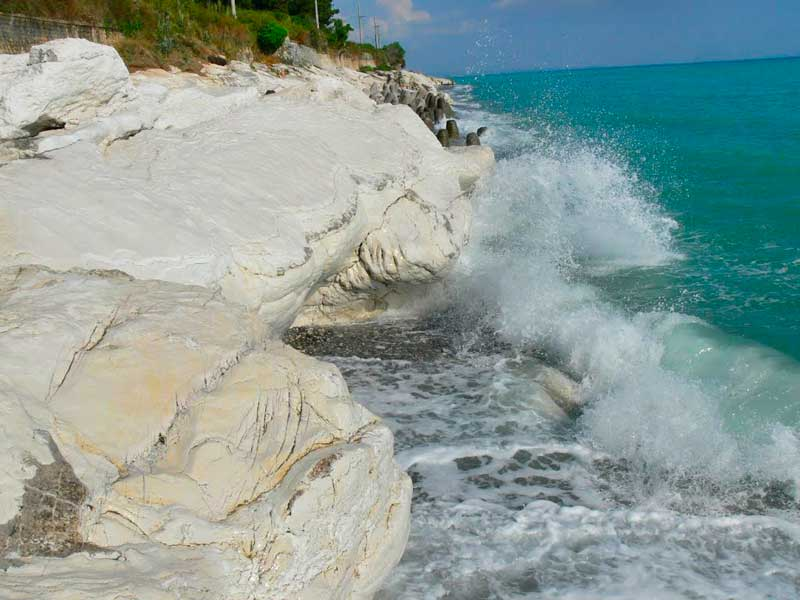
point(63, 81)
point(482, 131)
point(473, 139)
point(452, 129)
point(292, 53)
point(444, 137)
point(217, 59)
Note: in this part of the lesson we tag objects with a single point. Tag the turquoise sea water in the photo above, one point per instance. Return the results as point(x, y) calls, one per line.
point(720, 143)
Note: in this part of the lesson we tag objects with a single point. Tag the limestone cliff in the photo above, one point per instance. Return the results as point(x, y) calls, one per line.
point(158, 441)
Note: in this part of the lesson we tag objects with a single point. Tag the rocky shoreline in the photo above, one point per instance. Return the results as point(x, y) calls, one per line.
point(158, 233)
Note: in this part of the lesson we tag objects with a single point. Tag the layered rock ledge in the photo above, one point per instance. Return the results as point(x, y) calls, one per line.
point(158, 233)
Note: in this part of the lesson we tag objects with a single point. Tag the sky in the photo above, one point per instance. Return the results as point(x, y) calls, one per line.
point(456, 37)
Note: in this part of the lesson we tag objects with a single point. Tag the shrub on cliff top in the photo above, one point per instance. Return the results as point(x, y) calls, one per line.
point(270, 37)
point(395, 55)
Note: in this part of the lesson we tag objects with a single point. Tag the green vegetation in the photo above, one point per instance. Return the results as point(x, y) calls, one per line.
point(339, 32)
point(395, 54)
point(270, 37)
point(185, 32)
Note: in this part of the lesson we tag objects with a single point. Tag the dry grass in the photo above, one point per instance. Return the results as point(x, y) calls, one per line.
point(181, 33)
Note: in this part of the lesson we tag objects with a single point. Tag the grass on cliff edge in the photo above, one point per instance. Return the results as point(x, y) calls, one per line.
point(183, 33)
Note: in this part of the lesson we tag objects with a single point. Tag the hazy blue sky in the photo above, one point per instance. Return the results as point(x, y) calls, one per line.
point(458, 36)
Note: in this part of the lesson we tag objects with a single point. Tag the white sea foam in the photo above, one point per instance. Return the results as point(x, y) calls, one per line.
point(664, 390)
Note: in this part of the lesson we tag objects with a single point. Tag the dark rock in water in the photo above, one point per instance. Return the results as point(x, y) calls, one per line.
point(527, 582)
point(452, 129)
point(217, 59)
point(443, 137)
point(467, 463)
point(522, 456)
point(473, 139)
point(429, 122)
point(486, 481)
point(438, 115)
point(440, 102)
point(482, 131)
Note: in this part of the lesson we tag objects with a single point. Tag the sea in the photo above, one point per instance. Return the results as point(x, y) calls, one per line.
point(641, 234)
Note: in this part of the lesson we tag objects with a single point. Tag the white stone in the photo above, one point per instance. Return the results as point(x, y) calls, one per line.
point(192, 440)
point(64, 80)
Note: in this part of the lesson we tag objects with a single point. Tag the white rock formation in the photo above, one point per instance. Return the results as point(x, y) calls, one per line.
point(156, 440)
point(61, 81)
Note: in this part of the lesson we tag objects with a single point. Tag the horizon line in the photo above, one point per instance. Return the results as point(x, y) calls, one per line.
point(634, 65)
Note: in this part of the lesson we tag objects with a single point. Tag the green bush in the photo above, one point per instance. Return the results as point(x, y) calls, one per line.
point(338, 34)
point(270, 37)
point(395, 55)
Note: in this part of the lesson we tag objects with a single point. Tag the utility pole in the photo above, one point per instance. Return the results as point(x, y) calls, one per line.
point(316, 10)
point(377, 32)
point(360, 19)
point(233, 8)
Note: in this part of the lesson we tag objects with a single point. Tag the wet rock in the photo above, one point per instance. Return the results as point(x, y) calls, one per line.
point(527, 583)
point(443, 137)
point(452, 129)
point(439, 116)
point(467, 463)
point(482, 131)
point(522, 456)
point(473, 139)
point(537, 480)
point(486, 482)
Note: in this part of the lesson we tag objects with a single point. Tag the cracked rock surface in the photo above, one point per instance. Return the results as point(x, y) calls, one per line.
point(157, 439)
